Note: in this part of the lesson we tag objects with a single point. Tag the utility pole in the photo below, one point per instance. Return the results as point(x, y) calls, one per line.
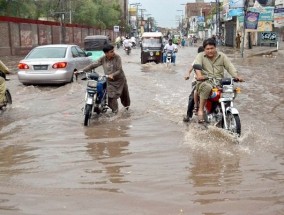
point(244, 27)
point(141, 18)
point(136, 23)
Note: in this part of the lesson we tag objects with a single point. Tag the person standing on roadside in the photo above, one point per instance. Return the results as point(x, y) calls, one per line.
point(238, 41)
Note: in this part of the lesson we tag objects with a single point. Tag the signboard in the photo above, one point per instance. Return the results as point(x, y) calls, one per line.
point(268, 37)
point(200, 19)
point(266, 14)
point(264, 26)
point(116, 28)
point(251, 20)
point(236, 4)
point(279, 17)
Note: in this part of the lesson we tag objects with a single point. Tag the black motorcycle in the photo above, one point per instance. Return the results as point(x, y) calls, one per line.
point(127, 50)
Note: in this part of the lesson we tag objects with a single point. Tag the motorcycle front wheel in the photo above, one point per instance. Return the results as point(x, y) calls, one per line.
point(233, 123)
point(87, 114)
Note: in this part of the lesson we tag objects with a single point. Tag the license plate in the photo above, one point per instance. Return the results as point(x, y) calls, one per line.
point(227, 95)
point(40, 67)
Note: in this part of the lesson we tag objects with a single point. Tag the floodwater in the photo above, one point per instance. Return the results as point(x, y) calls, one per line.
point(145, 160)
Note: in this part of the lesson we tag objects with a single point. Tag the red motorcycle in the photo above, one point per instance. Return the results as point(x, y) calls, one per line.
point(219, 109)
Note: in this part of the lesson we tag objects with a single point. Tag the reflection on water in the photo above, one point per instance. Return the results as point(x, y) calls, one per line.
point(212, 173)
point(15, 160)
point(106, 147)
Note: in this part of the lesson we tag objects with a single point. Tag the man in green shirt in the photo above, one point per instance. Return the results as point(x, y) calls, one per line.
point(3, 71)
point(213, 64)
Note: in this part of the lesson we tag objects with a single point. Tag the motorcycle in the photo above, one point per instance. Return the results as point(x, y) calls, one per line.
point(169, 57)
point(96, 96)
point(118, 45)
point(127, 50)
point(219, 109)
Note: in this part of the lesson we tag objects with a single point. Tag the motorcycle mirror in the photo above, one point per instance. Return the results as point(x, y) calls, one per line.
point(197, 67)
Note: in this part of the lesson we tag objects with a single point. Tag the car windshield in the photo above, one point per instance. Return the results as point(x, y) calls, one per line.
point(48, 52)
point(151, 42)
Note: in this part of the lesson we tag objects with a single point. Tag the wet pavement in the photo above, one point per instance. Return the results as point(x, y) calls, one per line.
point(145, 160)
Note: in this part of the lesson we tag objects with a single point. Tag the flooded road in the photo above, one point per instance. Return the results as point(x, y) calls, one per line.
point(145, 160)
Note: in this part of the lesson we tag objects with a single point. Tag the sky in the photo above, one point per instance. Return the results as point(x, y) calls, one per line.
point(164, 11)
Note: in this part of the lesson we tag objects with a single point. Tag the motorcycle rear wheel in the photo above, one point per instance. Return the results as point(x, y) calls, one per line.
point(233, 123)
point(87, 114)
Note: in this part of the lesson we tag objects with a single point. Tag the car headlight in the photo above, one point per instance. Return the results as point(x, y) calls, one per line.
point(92, 83)
point(151, 53)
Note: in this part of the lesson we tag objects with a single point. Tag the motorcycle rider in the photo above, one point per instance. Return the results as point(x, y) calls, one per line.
point(118, 42)
point(127, 43)
point(213, 64)
point(170, 47)
point(193, 97)
point(3, 71)
point(116, 83)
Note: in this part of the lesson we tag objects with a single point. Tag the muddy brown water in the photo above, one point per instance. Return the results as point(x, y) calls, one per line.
point(145, 160)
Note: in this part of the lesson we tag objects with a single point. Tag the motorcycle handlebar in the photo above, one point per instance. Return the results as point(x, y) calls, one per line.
point(219, 79)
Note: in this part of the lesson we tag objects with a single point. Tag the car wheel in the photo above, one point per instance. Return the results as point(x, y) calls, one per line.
point(72, 77)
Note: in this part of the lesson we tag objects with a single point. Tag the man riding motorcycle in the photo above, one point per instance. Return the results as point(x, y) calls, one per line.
point(3, 71)
point(127, 43)
point(170, 47)
point(213, 64)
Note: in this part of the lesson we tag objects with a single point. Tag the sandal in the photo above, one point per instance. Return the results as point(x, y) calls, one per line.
point(201, 121)
point(195, 110)
point(200, 118)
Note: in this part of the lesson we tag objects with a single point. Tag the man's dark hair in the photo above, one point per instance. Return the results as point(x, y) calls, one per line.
point(200, 49)
point(209, 41)
point(107, 48)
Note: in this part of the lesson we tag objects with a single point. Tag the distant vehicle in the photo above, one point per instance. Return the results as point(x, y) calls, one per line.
point(50, 64)
point(152, 47)
point(95, 44)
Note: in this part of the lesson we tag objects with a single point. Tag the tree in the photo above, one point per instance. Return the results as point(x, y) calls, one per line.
point(100, 13)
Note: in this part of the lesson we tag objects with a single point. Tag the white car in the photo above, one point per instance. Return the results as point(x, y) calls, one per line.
point(52, 64)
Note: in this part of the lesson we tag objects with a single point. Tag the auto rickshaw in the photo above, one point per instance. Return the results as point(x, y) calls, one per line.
point(152, 47)
point(95, 44)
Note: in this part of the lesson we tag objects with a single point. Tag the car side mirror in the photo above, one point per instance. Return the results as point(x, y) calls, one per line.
point(197, 67)
point(89, 54)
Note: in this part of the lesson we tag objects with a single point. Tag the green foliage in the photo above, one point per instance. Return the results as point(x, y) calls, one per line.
point(99, 13)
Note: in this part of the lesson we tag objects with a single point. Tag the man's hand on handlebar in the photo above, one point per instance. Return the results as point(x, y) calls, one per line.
point(110, 76)
point(239, 79)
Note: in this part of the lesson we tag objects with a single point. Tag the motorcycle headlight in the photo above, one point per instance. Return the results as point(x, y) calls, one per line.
point(151, 53)
point(92, 83)
point(228, 89)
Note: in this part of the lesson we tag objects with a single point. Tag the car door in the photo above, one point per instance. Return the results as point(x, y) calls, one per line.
point(76, 57)
point(84, 59)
